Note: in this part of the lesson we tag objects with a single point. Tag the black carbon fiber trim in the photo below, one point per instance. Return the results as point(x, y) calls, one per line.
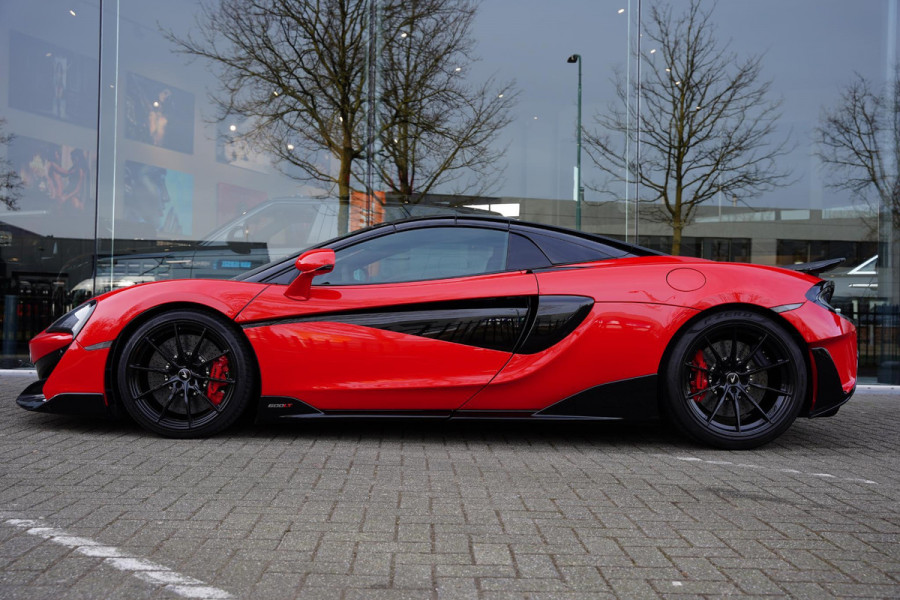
point(629, 399)
point(273, 408)
point(492, 323)
point(45, 365)
point(32, 398)
point(830, 394)
point(557, 317)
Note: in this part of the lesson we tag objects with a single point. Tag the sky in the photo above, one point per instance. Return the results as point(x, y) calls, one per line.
point(810, 49)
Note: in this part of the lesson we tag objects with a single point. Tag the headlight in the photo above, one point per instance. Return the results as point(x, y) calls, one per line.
point(74, 320)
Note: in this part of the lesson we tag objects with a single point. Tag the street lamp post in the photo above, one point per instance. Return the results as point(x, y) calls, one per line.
point(579, 191)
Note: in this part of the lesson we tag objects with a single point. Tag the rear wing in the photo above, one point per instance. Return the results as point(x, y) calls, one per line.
point(817, 267)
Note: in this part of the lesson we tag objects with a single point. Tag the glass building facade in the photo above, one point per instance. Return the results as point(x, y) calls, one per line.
point(134, 151)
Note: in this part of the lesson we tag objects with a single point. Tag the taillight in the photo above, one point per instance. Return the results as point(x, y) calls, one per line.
point(821, 294)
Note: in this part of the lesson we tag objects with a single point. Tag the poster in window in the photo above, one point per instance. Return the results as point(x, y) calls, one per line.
point(48, 80)
point(56, 178)
point(160, 200)
point(159, 114)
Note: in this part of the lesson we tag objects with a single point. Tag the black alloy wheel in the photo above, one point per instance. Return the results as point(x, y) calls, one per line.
point(735, 380)
point(185, 374)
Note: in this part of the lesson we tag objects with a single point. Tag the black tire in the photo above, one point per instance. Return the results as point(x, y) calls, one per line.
point(185, 374)
point(734, 379)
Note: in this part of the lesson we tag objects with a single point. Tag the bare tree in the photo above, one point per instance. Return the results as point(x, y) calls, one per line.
point(705, 122)
point(859, 141)
point(438, 127)
point(10, 182)
point(296, 71)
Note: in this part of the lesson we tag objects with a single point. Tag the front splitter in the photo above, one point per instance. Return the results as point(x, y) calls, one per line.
point(32, 398)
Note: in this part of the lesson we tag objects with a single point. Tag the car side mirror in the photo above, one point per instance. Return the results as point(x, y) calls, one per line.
point(310, 264)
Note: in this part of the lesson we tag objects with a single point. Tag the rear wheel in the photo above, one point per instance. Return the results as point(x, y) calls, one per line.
point(735, 380)
point(185, 374)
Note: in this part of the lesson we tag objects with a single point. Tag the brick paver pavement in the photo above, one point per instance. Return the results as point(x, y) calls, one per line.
point(447, 510)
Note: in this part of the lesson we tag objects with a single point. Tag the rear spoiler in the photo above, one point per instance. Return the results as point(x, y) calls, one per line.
point(817, 267)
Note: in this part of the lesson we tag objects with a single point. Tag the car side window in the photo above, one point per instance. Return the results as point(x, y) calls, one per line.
point(561, 251)
point(524, 254)
point(420, 254)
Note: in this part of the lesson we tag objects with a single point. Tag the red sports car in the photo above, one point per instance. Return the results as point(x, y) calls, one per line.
point(461, 317)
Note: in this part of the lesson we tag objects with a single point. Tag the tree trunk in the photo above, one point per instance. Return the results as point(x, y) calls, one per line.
point(344, 191)
point(677, 226)
point(677, 211)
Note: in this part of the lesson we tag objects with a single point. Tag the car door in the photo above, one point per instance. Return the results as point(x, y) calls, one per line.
point(415, 320)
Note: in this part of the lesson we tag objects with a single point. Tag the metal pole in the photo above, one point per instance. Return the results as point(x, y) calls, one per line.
point(372, 140)
point(637, 147)
point(579, 190)
point(578, 193)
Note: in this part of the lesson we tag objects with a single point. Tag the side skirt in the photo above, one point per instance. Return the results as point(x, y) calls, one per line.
point(630, 399)
point(274, 409)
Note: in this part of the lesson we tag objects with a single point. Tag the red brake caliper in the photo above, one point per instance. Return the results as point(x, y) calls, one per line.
point(215, 390)
point(700, 380)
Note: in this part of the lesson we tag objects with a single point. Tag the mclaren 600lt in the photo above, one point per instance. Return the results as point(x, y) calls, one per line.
point(461, 317)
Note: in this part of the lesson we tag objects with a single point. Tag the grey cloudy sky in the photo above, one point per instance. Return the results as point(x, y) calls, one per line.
point(811, 48)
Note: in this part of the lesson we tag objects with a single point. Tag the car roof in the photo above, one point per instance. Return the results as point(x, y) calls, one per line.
point(516, 225)
point(529, 229)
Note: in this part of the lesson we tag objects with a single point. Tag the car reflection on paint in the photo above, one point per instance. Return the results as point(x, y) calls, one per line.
point(856, 282)
point(267, 232)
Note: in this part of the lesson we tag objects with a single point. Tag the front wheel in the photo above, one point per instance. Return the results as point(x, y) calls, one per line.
point(734, 380)
point(185, 374)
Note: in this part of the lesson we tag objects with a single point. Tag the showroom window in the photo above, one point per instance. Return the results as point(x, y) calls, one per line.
point(138, 154)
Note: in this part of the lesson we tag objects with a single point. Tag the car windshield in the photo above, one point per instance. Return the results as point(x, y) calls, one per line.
point(288, 261)
point(284, 227)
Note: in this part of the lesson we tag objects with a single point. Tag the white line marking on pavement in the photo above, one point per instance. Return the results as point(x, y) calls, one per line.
point(791, 471)
point(145, 570)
